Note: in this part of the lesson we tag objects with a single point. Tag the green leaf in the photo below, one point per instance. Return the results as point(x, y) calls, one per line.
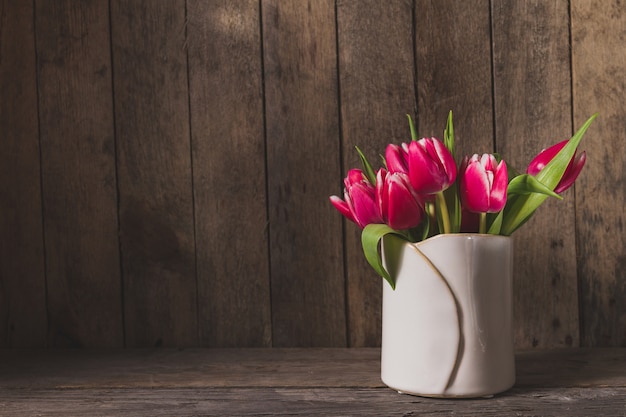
point(452, 193)
point(412, 127)
point(447, 206)
point(370, 239)
point(448, 134)
point(453, 204)
point(383, 161)
point(518, 213)
point(552, 173)
point(527, 184)
point(367, 167)
point(496, 224)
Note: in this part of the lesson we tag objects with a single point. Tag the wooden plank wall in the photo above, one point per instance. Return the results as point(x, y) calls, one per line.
point(165, 166)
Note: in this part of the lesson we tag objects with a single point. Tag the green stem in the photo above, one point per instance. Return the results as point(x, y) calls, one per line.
point(431, 213)
point(482, 226)
point(443, 208)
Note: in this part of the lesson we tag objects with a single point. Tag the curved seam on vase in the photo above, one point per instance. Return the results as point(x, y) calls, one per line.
point(459, 351)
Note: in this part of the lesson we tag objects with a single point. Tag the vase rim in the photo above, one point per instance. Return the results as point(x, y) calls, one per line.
point(468, 236)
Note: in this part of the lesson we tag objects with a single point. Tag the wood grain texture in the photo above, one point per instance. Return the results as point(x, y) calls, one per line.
point(22, 275)
point(226, 96)
point(361, 402)
point(225, 382)
point(599, 68)
point(374, 102)
point(155, 176)
point(453, 54)
point(533, 111)
point(78, 172)
point(166, 165)
point(32, 369)
point(300, 63)
point(189, 368)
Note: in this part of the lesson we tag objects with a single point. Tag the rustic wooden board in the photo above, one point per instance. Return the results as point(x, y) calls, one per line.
point(226, 98)
point(453, 57)
point(167, 368)
point(374, 102)
point(112, 144)
point(533, 111)
point(154, 166)
point(609, 402)
point(277, 367)
point(599, 68)
point(562, 382)
point(303, 168)
point(22, 282)
point(78, 174)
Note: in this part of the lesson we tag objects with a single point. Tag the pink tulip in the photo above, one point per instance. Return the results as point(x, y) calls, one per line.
point(397, 158)
point(571, 172)
point(483, 184)
point(431, 166)
point(399, 205)
point(359, 204)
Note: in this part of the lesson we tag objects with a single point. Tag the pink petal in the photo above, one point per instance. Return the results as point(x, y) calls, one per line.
point(475, 188)
point(381, 186)
point(497, 197)
point(396, 158)
point(354, 176)
point(364, 204)
point(571, 173)
point(427, 177)
point(404, 211)
point(447, 161)
point(342, 207)
point(543, 157)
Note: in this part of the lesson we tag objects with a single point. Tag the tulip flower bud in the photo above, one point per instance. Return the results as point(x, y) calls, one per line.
point(399, 205)
point(571, 172)
point(359, 204)
point(483, 184)
point(397, 158)
point(431, 166)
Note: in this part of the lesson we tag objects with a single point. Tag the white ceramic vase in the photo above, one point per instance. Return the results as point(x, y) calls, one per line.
point(447, 328)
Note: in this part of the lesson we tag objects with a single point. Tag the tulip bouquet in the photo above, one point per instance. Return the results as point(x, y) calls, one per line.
point(421, 190)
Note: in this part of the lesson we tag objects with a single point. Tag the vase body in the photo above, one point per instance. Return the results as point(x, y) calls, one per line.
point(447, 326)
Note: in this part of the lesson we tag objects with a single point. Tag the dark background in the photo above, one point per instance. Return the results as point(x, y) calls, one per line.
point(165, 165)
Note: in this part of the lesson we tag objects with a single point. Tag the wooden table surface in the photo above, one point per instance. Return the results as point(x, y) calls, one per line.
point(302, 382)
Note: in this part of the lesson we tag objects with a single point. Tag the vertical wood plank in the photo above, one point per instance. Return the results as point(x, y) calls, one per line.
point(155, 178)
point(532, 112)
point(78, 170)
point(303, 167)
point(453, 56)
point(599, 69)
point(376, 70)
point(22, 280)
point(226, 94)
